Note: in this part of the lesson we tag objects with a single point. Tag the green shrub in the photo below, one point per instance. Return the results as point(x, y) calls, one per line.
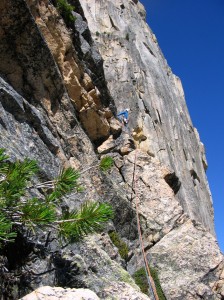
point(20, 212)
point(65, 10)
point(127, 36)
point(155, 277)
point(141, 280)
point(106, 163)
point(121, 245)
point(97, 33)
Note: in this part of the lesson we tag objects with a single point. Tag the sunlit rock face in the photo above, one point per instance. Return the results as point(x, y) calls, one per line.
point(139, 78)
point(60, 293)
point(38, 58)
point(58, 103)
point(55, 108)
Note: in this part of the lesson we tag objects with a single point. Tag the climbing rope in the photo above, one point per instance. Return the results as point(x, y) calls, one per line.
point(147, 270)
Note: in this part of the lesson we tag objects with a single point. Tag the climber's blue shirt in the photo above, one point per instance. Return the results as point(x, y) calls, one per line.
point(123, 114)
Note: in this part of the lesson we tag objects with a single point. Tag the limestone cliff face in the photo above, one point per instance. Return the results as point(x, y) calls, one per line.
point(139, 78)
point(60, 88)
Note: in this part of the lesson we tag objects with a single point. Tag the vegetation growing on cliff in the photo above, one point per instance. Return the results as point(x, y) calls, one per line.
point(65, 10)
point(121, 245)
point(20, 211)
point(106, 163)
point(141, 280)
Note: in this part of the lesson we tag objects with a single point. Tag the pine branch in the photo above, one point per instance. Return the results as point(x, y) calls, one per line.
point(67, 180)
point(16, 179)
point(46, 184)
point(65, 183)
point(89, 219)
point(37, 212)
point(19, 212)
point(91, 167)
point(6, 233)
point(3, 156)
point(3, 164)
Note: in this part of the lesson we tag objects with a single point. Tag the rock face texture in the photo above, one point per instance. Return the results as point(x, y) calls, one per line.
point(60, 88)
point(185, 253)
point(139, 78)
point(55, 293)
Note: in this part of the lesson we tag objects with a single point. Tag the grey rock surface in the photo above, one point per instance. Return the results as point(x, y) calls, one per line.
point(185, 254)
point(139, 77)
point(43, 92)
point(54, 293)
point(116, 291)
point(55, 107)
point(189, 259)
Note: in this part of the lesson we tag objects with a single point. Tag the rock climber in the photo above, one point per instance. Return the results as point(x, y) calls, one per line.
point(124, 116)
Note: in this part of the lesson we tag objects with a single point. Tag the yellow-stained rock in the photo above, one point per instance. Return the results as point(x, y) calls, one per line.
point(96, 126)
point(107, 146)
point(87, 82)
point(138, 135)
point(84, 95)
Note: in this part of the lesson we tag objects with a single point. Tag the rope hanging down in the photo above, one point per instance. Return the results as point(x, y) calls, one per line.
point(147, 270)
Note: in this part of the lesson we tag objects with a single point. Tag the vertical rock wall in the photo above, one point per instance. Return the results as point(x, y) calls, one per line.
point(139, 78)
point(51, 111)
point(55, 107)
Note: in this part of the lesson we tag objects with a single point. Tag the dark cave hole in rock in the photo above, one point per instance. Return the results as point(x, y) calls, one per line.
point(173, 181)
point(17, 252)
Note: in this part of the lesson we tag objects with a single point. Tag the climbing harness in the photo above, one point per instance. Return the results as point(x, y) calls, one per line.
point(147, 270)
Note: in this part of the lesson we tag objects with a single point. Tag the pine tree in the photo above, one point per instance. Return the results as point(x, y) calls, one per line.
point(18, 211)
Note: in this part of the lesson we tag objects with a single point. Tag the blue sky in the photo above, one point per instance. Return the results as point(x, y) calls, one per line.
point(191, 36)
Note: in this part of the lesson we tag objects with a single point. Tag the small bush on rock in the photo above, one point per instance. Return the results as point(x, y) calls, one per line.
point(65, 10)
point(106, 163)
point(121, 245)
point(141, 280)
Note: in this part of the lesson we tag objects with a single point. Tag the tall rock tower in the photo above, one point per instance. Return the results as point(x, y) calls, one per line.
point(139, 78)
point(67, 67)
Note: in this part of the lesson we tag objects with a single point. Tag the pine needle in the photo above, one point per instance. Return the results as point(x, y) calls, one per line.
point(19, 212)
point(6, 233)
point(91, 218)
point(65, 183)
point(38, 213)
point(3, 156)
